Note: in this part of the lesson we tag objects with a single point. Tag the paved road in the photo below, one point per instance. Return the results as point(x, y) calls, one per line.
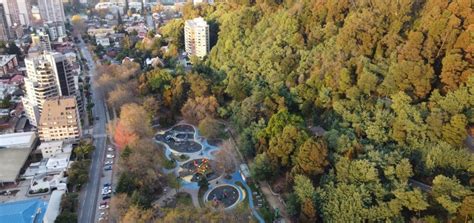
point(88, 200)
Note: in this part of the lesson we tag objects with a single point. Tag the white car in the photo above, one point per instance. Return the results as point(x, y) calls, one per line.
point(109, 162)
point(110, 156)
point(110, 149)
point(106, 192)
point(102, 207)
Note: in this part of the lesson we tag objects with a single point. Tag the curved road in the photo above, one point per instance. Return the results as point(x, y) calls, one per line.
point(90, 193)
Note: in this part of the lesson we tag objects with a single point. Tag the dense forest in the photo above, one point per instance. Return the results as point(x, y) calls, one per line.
point(353, 110)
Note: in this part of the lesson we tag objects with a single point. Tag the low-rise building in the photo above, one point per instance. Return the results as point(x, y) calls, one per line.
point(103, 41)
point(50, 149)
point(8, 63)
point(31, 210)
point(14, 151)
point(60, 120)
point(100, 31)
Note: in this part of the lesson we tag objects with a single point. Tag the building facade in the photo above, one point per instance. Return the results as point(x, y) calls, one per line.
point(8, 63)
point(52, 10)
point(60, 120)
point(196, 37)
point(49, 75)
point(4, 28)
point(18, 12)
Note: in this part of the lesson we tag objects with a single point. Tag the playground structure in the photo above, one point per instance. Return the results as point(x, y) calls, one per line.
point(194, 170)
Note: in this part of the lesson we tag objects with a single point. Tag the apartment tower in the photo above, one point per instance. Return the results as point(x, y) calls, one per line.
point(48, 75)
point(196, 37)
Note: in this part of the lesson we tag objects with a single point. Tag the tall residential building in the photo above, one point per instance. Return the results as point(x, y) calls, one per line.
point(18, 12)
point(60, 120)
point(196, 37)
point(4, 31)
point(52, 10)
point(48, 75)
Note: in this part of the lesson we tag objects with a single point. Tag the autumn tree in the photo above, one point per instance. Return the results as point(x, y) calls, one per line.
point(226, 157)
point(210, 128)
point(195, 110)
point(311, 157)
point(78, 25)
point(449, 193)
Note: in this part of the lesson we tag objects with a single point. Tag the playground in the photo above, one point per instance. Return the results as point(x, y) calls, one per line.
point(180, 139)
point(225, 195)
point(198, 161)
point(195, 169)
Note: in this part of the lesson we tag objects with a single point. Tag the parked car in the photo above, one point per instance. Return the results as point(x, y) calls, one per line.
point(108, 168)
point(110, 156)
point(109, 162)
point(110, 149)
point(102, 207)
point(106, 191)
point(105, 197)
point(107, 185)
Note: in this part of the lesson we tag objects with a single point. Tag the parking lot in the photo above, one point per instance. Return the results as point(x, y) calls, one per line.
point(106, 190)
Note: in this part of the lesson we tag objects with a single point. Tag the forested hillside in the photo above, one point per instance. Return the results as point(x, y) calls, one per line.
point(390, 82)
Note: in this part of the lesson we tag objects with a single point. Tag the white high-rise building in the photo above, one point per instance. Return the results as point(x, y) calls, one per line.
point(18, 12)
point(196, 37)
point(48, 75)
point(52, 15)
point(52, 10)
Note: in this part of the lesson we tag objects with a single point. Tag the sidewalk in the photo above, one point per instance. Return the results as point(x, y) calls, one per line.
point(274, 200)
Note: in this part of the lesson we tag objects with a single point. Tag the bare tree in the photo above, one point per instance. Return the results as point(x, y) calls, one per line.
point(226, 157)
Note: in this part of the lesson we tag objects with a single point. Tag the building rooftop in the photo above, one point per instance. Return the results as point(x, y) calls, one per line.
point(59, 111)
point(17, 140)
point(196, 22)
point(50, 144)
point(53, 206)
point(31, 210)
point(4, 59)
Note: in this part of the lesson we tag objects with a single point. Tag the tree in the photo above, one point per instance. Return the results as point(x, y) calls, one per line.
point(203, 182)
point(134, 118)
point(311, 158)
point(292, 205)
point(84, 150)
point(261, 168)
point(467, 207)
point(198, 85)
point(412, 200)
point(309, 210)
point(66, 217)
point(174, 30)
point(195, 110)
point(404, 170)
point(78, 25)
point(304, 188)
point(226, 157)
point(151, 106)
point(119, 205)
point(283, 146)
point(173, 182)
point(122, 94)
point(449, 193)
point(210, 128)
point(137, 214)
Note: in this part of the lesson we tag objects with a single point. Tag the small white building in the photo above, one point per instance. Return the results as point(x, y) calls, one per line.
point(54, 206)
point(52, 148)
point(104, 41)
